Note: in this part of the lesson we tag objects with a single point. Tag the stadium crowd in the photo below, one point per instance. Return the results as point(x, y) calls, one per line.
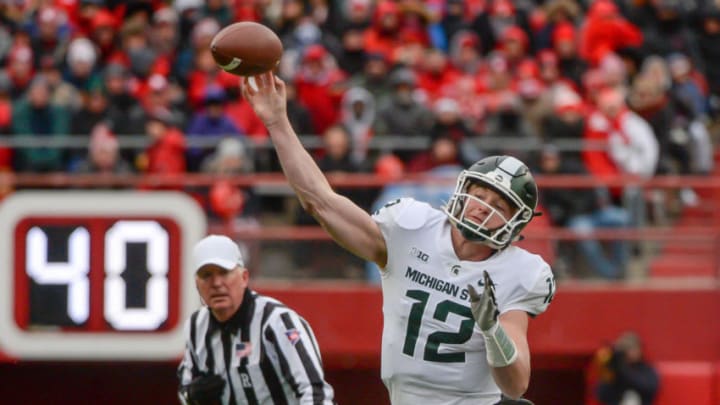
point(631, 85)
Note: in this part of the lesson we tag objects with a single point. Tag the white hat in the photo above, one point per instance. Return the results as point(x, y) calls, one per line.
point(218, 250)
point(182, 5)
point(81, 50)
point(230, 147)
point(165, 15)
point(446, 105)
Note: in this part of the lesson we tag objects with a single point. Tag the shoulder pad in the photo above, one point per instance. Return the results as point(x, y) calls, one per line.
point(407, 213)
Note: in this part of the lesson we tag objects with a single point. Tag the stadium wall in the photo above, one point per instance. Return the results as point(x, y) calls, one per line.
point(678, 321)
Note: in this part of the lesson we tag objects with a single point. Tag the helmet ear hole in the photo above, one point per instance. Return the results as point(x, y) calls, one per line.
point(527, 215)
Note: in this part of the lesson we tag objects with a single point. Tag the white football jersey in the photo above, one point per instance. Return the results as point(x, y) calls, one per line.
point(432, 350)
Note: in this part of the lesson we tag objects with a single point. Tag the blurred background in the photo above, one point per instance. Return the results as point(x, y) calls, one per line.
point(613, 104)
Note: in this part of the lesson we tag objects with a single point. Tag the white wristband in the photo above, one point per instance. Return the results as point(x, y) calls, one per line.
point(501, 350)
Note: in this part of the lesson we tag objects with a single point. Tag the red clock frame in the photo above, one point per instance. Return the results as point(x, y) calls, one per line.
point(104, 235)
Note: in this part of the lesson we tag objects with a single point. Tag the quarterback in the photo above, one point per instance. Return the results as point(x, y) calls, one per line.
point(457, 296)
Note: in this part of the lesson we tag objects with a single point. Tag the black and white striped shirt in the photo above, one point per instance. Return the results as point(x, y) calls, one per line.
point(266, 352)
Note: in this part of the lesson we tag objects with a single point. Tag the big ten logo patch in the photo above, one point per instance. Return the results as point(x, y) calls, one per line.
point(419, 254)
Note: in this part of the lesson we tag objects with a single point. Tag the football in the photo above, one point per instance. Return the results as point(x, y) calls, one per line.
point(246, 49)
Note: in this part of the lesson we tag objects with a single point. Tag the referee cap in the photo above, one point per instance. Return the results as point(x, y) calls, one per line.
point(218, 250)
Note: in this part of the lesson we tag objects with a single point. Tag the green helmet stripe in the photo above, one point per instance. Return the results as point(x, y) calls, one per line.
point(511, 165)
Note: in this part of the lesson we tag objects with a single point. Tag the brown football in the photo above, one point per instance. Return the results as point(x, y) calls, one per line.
point(246, 48)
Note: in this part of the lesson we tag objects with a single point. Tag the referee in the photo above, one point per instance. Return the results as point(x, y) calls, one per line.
point(243, 347)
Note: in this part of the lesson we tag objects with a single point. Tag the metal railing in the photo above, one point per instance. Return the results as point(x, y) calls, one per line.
point(698, 243)
point(349, 180)
point(379, 143)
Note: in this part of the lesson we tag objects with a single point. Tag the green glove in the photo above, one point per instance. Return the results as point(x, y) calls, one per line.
point(501, 350)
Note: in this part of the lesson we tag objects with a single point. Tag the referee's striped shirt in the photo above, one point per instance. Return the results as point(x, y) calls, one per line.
point(266, 352)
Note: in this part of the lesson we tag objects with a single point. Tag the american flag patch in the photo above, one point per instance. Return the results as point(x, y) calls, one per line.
point(243, 349)
point(293, 335)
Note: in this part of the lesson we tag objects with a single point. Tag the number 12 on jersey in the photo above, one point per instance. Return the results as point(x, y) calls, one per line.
point(431, 351)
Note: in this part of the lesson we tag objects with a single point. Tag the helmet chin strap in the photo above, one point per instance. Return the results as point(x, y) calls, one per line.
point(479, 238)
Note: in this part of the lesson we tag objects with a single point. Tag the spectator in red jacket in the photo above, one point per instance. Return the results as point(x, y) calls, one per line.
point(383, 35)
point(436, 74)
point(243, 116)
point(103, 32)
point(166, 154)
point(606, 30)
point(320, 86)
point(224, 200)
point(495, 82)
point(632, 146)
point(514, 44)
point(20, 69)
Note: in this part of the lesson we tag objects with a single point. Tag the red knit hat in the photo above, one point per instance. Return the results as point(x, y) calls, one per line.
point(547, 57)
point(314, 52)
point(103, 18)
point(563, 32)
point(502, 8)
point(517, 34)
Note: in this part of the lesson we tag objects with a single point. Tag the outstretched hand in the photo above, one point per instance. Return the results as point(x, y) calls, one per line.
point(501, 349)
point(484, 307)
point(267, 96)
